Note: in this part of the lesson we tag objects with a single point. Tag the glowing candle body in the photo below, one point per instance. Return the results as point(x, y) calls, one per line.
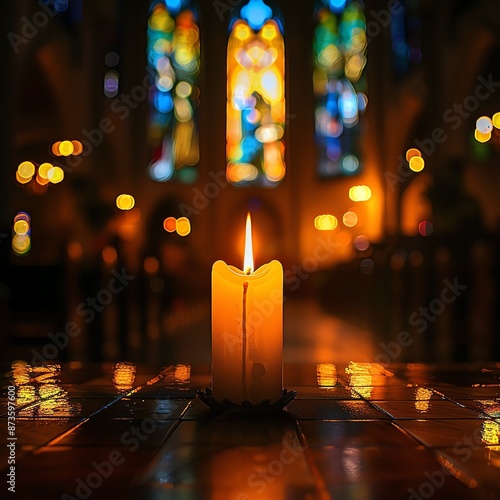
point(247, 333)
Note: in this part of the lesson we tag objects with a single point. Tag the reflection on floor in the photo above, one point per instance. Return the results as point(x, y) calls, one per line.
point(355, 430)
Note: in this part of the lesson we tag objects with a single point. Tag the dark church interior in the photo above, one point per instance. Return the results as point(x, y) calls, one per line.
point(363, 140)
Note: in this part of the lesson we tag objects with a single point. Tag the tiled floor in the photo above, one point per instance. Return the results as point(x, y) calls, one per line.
point(359, 431)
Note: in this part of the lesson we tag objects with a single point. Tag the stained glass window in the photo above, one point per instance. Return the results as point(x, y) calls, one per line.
point(256, 97)
point(173, 46)
point(339, 85)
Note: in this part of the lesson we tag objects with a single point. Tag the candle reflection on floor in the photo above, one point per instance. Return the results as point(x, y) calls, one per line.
point(236, 459)
point(330, 441)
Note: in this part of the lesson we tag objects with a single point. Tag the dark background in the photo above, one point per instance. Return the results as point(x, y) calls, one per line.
point(353, 305)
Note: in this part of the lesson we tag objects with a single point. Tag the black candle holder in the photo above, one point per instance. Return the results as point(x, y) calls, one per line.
point(246, 407)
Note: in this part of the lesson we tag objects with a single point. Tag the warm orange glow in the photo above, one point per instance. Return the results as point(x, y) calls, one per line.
point(248, 260)
point(361, 377)
point(480, 137)
point(109, 255)
point(183, 226)
point(125, 202)
point(21, 244)
point(273, 165)
point(412, 152)
point(55, 175)
point(180, 376)
point(423, 400)
point(269, 133)
point(21, 227)
point(417, 164)
point(325, 222)
point(40, 384)
point(66, 148)
point(75, 250)
point(255, 95)
point(132, 216)
point(169, 224)
point(243, 334)
point(26, 170)
point(43, 170)
point(124, 376)
point(77, 148)
point(242, 31)
point(350, 219)
point(326, 374)
point(127, 230)
point(490, 432)
point(275, 173)
point(128, 223)
point(20, 373)
point(22, 180)
point(41, 180)
point(360, 193)
point(151, 265)
point(343, 239)
point(495, 119)
point(238, 172)
point(55, 148)
point(39, 189)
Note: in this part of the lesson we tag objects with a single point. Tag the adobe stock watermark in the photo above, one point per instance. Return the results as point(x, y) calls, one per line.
point(454, 116)
point(421, 319)
point(324, 249)
point(87, 310)
point(131, 440)
point(202, 197)
point(228, 6)
point(121, 108)
point(260, 480)
point(31, 27)
point(294, 277)
point(377, 20)
point(11, 438)
point(211, 190)
point(463, 449)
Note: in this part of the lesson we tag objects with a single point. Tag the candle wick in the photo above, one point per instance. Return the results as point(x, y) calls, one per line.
point(244, 343)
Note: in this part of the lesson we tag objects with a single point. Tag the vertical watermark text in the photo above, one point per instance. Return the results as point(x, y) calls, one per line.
point(11, 439)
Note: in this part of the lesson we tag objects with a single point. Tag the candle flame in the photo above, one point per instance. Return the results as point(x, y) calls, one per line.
point(248, 261)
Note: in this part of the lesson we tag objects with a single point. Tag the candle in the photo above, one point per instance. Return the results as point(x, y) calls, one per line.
point(247, 329)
